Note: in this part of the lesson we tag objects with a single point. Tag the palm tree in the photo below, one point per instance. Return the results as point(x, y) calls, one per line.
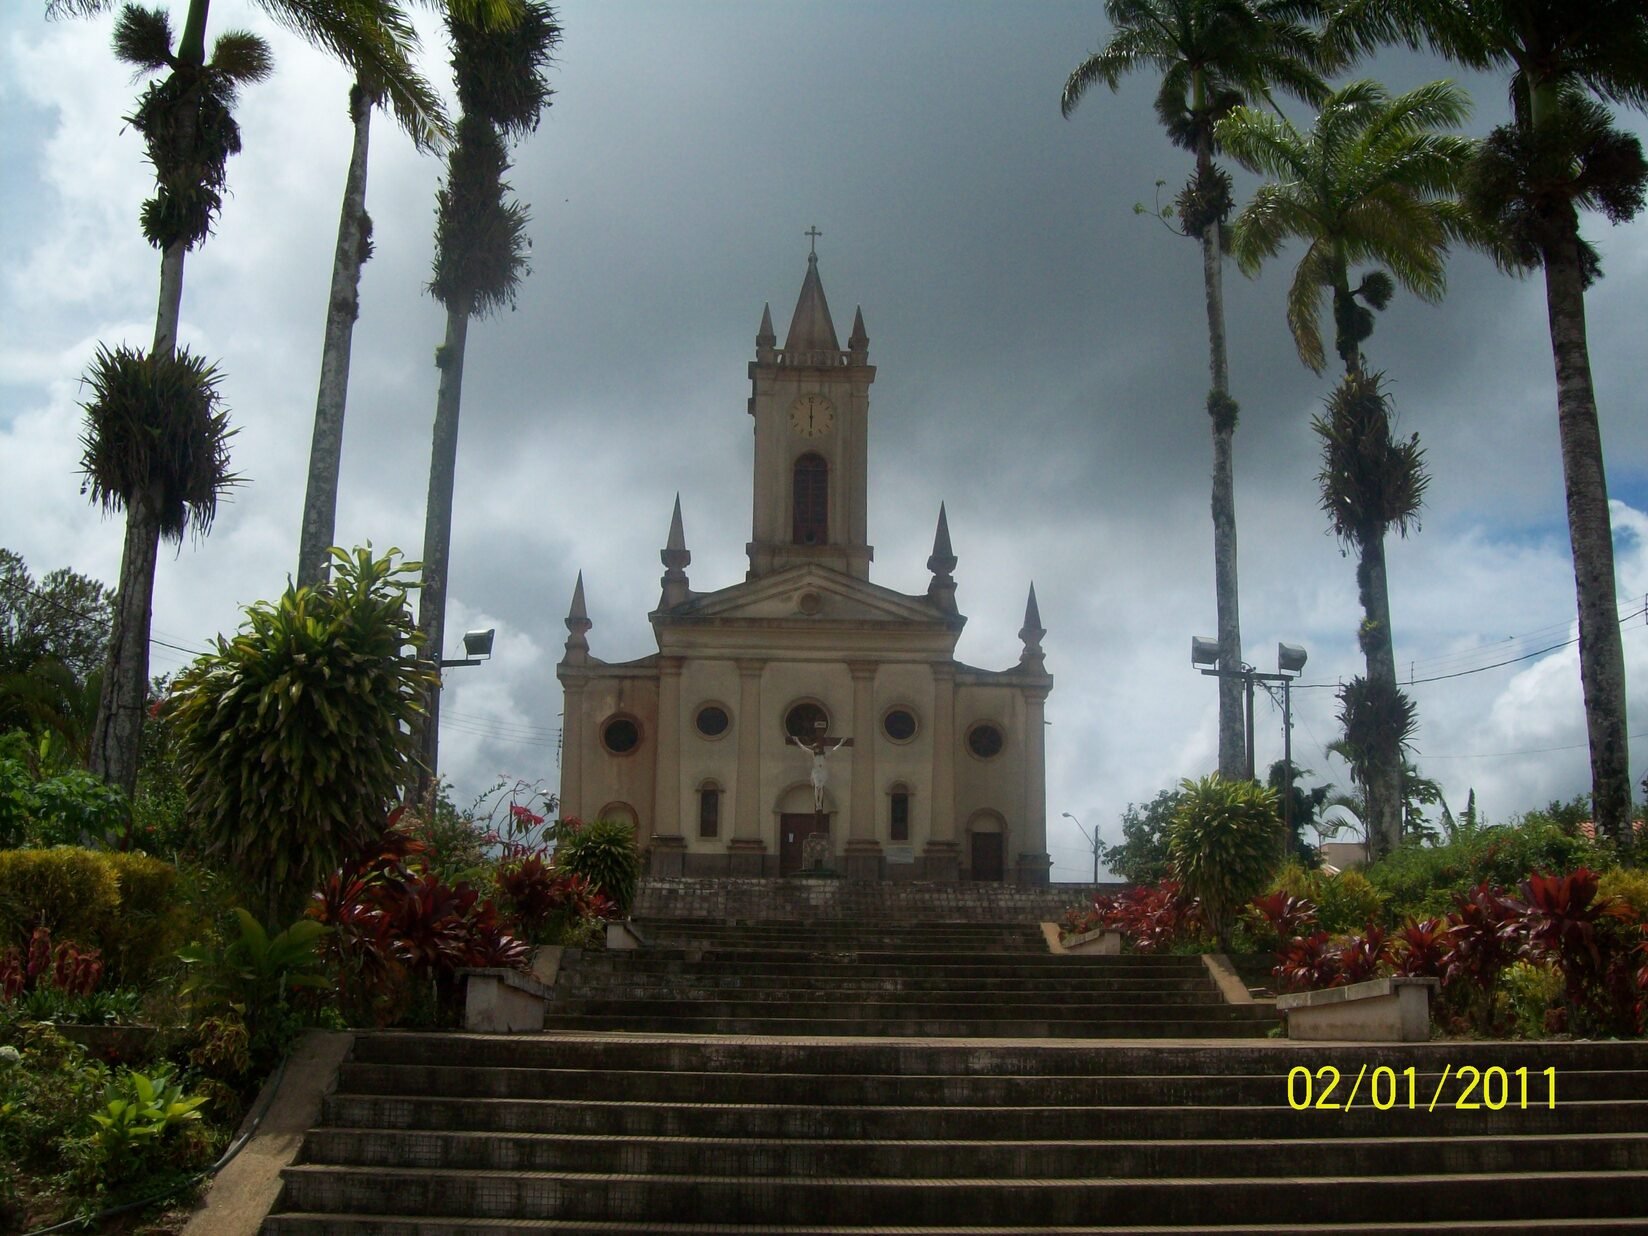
point(354, 248)
point(189, 133)
point(1371, 182)
point(155, 445)
point(185, 119)
point(1559, 155)
point(480, 260)
point(1212, 55)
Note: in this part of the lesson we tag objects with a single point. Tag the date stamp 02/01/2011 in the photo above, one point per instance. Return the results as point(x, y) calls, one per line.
point(1466, 1088)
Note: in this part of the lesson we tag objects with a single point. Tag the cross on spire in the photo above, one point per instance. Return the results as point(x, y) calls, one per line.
point(813, 234)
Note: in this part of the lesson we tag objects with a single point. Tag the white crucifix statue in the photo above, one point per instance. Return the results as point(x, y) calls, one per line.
point(821, 746)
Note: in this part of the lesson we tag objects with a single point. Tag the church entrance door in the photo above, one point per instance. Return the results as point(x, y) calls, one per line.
point(987, 857)
point(793, 831)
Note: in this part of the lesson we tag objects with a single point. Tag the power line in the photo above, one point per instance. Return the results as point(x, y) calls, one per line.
point(1498, 755)
point(1481, 669)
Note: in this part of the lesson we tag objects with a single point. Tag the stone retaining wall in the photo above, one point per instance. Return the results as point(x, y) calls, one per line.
point(816, 900)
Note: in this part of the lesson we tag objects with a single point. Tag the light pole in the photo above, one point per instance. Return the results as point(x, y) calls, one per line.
point(1290, 662)
point(477, 648)
point(1093, 839)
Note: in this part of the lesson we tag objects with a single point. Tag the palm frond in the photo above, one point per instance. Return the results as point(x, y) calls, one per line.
point(242, 57)
point(1127, 50)
point(143, 38)
point(1312, 280)
point(156, 433)
point(500, 73)
point(76, 8)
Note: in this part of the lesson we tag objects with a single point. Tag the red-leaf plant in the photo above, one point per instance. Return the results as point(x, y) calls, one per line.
point(1485, 935)
point(66, 967)
point(1361, 956)
point(1419, 946)
point(1307, 963)
point(1154, 918)
point(1287, 916)
point(1563, 921)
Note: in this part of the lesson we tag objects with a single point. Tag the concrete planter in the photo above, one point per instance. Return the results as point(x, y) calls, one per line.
point(1106, 941)
point(502, 1001)
point(1389, 1010)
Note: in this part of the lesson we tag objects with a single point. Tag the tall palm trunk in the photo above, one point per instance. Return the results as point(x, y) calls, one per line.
point(117, 732)
point(1590, 534)
point(1384, 765)
point(1232, 728)
point(343, 307)
point(437, 530)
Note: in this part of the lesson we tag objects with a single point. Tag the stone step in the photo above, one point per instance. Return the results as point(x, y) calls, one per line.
point(850, 980)
point(877, 1055)
point(1080, 1007)
point(415, 1225)
point(640, 1022)
point(944, 1002)
point(771, 1121)
point(896, 962)
point(1490, 1199)
point(806, 1157)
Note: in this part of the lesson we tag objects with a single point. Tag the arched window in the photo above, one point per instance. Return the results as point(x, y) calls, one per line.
point(898, 806)
point(709, 810)
point(812, 500)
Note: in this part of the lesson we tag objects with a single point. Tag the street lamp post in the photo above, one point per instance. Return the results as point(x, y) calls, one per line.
point(477, 648)
point(1290, 662)
point(1093, 840)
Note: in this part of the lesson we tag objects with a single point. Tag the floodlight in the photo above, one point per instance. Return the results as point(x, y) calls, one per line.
point(1290, 658)
point(479, 643)
point(1203, 651)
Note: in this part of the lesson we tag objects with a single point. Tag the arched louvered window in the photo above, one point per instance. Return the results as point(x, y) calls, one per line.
point(812, 500)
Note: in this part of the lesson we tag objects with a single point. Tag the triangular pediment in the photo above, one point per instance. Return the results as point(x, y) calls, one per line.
point(809, 593)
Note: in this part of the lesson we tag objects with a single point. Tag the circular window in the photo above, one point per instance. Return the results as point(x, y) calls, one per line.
point(810, 603)
point(985, 740)
point(804, 721)
point(621, 735)
point(899, 724)
point(712, 721)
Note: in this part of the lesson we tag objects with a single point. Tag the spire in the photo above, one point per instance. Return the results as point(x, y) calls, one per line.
point(577, 623)
point(858, 343)
point(942, 590)
point(675, 558)
point(1031, 632)
point(764, 338)
point(811, 329)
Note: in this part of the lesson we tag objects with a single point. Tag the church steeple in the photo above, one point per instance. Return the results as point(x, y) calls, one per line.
point(1031, 633)
point(942, 590)
point(811, 329)
point(858, 343)
point(577, 624)
point(765, 340)
point(675, 558)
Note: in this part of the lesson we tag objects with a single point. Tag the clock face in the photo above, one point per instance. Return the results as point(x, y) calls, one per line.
point(811, 416)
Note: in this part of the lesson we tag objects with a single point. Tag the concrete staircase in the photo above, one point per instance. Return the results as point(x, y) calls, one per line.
point(931, 979)
point(437, 1135)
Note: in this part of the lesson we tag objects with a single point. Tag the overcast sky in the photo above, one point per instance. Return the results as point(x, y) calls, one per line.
point(1041, 354)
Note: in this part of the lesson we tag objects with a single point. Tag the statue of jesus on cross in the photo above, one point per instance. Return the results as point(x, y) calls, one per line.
point(821, 747)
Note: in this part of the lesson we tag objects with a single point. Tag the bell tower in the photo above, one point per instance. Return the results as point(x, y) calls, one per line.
point(811, 404)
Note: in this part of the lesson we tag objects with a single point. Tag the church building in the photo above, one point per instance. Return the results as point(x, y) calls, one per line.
point(805, 716)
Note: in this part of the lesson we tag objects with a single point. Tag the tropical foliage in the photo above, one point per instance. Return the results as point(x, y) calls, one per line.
point(1226, 843)
point(295, 735)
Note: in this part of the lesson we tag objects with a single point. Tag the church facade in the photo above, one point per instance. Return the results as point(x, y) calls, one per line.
point(806, 716)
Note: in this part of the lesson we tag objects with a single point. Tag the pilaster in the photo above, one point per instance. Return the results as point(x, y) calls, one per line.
point(863, 848)
point(666, 781)
point(747, 802)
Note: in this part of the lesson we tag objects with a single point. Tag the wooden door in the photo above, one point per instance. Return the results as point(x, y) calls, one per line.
point(793, 831)
point(987, 857)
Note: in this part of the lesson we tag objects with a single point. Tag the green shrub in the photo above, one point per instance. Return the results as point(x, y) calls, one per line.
point(153, 921)
point(1627, 884)
point(1421, 880)
point(75, 807)
point(1346, 902)
point(604, 853)
point(297, 735)
point(1225, 841)
point(1530, 991)
point(74, 892)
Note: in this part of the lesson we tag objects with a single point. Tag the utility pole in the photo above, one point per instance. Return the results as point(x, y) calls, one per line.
point(1092, 840)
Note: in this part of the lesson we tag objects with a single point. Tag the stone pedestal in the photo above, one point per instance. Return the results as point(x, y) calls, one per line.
point(746, 856)
point(941, 862)
point(669, 856)
point(863, 859)
point(1033, 869)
